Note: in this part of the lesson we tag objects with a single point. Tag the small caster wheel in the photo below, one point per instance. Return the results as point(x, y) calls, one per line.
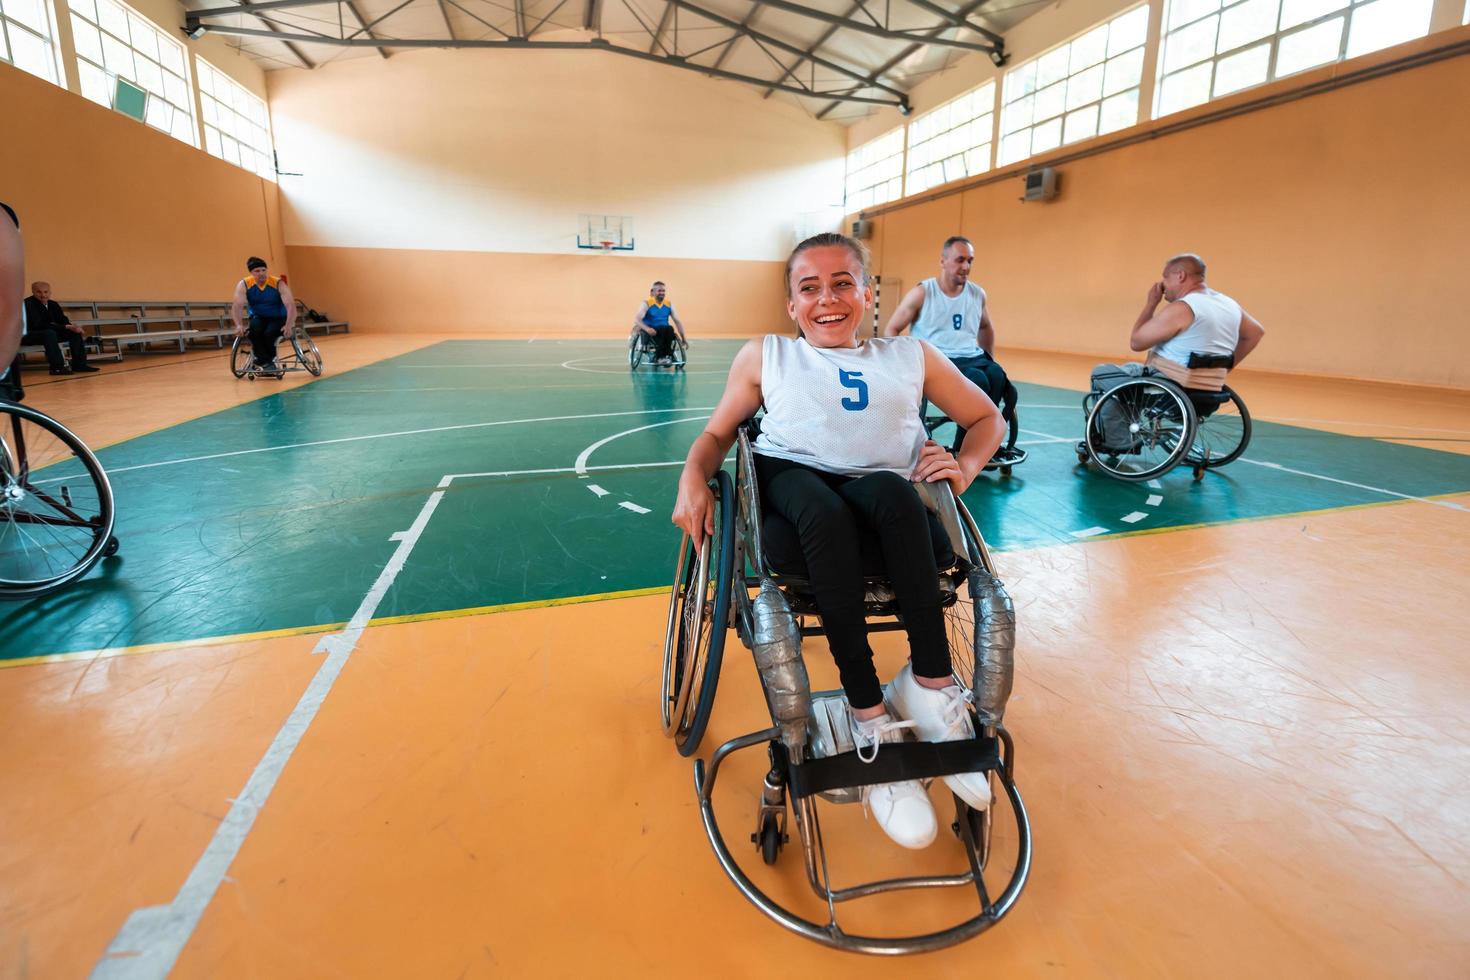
point(770, 839)
point(1082, 458)
point(1005, 471)
point(110, 549)
point(1199, 473)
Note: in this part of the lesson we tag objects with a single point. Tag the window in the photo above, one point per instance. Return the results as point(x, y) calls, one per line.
point(28, 38)
point(875, 172)
point(1212, 48)
point(952, 141)
point(236, 125)
point(1082, 89)
point(115, 43)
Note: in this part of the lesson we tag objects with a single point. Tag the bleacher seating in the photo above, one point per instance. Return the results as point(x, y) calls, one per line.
point(114, 326)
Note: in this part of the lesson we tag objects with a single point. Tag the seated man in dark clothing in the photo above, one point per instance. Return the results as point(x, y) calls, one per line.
point(48, 326)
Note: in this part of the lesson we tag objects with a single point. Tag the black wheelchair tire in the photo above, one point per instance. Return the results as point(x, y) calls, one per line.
point(723, 563)
point(769, 837)
point(1109, 461)
point(1215, 462)
point(102, 539)
point(239, 356)
point(635, 349)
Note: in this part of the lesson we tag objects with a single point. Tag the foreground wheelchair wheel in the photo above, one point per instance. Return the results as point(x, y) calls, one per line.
point(635, 349)
point(1222, 434)
point(677, 353)
point(1157, 423)
point(699, 616)
point(240, 356)
point(307, 352)
point(56, 510)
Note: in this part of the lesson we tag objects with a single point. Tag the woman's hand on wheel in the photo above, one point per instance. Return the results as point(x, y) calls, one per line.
point(694, 510)
point(937, 463)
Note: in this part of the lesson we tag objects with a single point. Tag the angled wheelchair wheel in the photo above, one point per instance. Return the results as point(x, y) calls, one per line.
point(699, 616)
point(1222, 435)
point(56, 510)
point(677, 353)
point(307, 352)
point(1158, 422)
point(635, 349)
point(240, 356)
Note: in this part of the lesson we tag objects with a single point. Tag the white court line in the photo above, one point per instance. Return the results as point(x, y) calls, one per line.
point(1044, 437)
point(1155, 484)
point(557, 469)
point(597, 490)
point(151, 939)
point(581, 463)
point(1134, 517)
point(1089, 532)
point(629, 505)
point(389, 435)
point(1360, 486)
point(1154, 499)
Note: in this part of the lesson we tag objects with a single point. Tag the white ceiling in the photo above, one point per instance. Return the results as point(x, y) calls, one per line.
point(710, 40)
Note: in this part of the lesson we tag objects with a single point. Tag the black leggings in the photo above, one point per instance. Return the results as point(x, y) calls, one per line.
point(264, 332)
point(990, 378)
point(827, 510)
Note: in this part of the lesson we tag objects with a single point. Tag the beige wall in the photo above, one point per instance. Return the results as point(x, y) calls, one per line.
point(1341, 221)
point(461, 176)
point(113, 209)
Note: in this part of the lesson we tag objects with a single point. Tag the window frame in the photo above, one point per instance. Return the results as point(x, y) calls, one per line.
point(1346, 13)
point(989, 115)
point(88, 64)
point(1013, 83)
point(268, 169)
point(9, 23)
point(853, 197)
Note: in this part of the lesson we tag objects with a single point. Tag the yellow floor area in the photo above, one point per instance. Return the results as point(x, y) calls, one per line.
point(1241, 747)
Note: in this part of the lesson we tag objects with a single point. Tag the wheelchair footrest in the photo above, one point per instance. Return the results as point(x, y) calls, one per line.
point(1004, 456)
point(837, 766)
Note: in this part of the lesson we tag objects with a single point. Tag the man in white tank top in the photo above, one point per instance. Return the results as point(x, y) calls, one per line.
point(1195, 320)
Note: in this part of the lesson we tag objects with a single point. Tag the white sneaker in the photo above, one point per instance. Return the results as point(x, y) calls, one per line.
point(902, 810)
point(941, 716)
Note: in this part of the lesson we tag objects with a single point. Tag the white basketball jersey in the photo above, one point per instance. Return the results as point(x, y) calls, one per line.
point(951, 323)
point(848, 410)
point(1214, 330)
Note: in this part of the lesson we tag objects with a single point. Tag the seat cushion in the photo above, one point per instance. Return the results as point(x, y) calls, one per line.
point(783, 547)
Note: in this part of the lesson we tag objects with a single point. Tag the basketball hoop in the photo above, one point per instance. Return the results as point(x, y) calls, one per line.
point(606, 246)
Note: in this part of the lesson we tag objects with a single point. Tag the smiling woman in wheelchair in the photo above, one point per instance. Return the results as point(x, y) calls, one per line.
point(840, 446)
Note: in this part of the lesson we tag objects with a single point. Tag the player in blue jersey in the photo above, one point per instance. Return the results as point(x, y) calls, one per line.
point(272, 313)
point(656, 317)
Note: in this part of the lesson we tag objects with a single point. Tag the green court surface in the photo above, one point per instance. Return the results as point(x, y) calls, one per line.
point(280, 514)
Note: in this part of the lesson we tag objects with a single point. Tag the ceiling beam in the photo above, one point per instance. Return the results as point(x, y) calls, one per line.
point(968, 8)
point(444, 12)
point(746, 21)
point(362, 22)
point(596, 44)
point(900, 96)
point(663, 22)
point(960, 20)
point(930, 36)
point(811, 48)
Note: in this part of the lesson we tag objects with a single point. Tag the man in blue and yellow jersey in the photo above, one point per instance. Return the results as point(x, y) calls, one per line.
point(654, 318)
point(272, 313)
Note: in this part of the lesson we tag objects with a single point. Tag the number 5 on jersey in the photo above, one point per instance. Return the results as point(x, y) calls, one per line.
point(854, 380)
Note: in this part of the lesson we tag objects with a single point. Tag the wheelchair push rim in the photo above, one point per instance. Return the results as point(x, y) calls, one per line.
point(307, 352)
point(56, 506)
point(240, 356)
point(1221, 436)
point(698, 619)
point(1161, 424)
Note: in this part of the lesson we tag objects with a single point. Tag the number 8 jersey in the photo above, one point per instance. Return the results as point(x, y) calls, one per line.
point(951, 323)
point(848, 410)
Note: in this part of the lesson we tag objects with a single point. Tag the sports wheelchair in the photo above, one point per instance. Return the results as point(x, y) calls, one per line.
point(1168, 424)
point(1009, 455)
point(56, 513)
point(641, 346)
point(303, 356)
point(730, 581)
